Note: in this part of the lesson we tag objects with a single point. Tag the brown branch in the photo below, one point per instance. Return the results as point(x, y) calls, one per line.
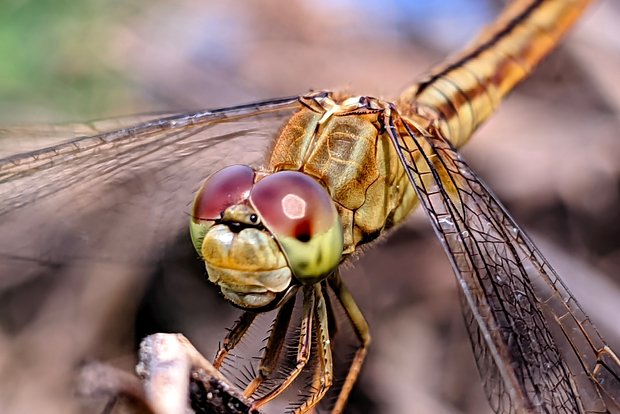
point(171, 370)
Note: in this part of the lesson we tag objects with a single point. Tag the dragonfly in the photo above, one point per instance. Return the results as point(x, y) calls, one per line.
point(536, 349)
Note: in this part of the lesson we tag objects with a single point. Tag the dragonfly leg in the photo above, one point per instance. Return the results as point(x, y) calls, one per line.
point(361, 330)
point(303, 348)
point(273, 348)
point(332, 320)
point(323, 375)
point(235, 334)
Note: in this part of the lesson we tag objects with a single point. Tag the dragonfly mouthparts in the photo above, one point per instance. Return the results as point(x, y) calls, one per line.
point(237, 226)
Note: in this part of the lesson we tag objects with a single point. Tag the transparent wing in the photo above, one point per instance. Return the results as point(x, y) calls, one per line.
point(535, 348)
point(16, 139)
point(120, 196)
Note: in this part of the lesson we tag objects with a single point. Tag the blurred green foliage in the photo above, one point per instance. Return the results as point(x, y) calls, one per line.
point(51, 66)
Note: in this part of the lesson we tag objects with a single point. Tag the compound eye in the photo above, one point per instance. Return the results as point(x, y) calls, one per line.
point(222, 189)
point(301, 215)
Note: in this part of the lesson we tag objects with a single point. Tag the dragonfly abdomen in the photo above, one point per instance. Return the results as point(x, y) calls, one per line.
point(464, 92)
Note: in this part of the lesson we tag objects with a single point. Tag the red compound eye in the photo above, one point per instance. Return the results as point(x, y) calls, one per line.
point(294, 205)
point(301, 215)
point(226, 187)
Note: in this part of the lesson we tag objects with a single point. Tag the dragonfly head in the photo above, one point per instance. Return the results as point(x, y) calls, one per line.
point(260, 235)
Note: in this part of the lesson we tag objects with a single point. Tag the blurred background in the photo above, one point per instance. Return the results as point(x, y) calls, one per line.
point(551, 154)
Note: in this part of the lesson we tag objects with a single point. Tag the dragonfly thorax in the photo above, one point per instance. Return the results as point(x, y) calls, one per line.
point(343, 143)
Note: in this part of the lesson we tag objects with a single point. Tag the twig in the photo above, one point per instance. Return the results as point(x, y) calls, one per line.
point(176, 379)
